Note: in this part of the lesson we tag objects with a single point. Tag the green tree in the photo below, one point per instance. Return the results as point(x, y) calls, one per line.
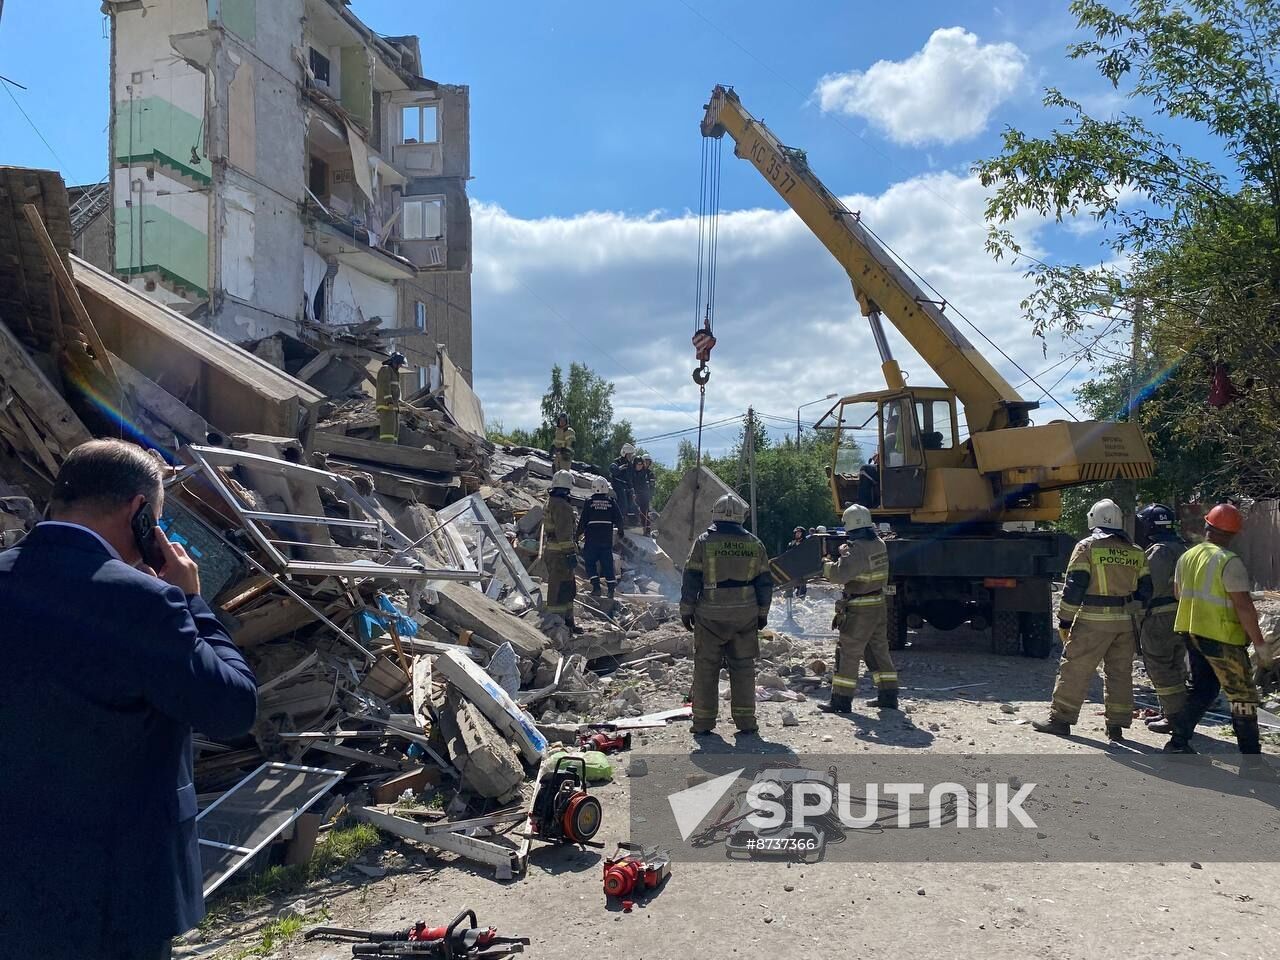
point(1193, 238)
point(587, 398)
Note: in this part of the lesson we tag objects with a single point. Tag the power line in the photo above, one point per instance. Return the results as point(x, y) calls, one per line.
point(7, 83)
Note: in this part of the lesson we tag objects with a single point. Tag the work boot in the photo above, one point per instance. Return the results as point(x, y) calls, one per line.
point(1160, 725)
point(612, 588)
point(749, 732)
point(573, 627)
point(1247, 737)
point(839, 703)
point(704, 733)
point(1059, 728)
point(1115, 733)
point(1181, 730)
point(885, 700)
point(595, 588)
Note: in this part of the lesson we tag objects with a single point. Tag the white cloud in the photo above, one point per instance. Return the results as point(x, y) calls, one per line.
point(943, 93)
point(617, 293)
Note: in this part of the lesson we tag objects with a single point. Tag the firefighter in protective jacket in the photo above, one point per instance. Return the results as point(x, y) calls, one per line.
point(1107, 579)
point(863, 572)
point(724, 600)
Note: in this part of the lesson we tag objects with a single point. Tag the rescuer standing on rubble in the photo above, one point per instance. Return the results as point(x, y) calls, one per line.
point(1218, 618)
point(599, 518)
point(559, 549)
point(620, 476)
point(388, 402)
point(562, 445)
point(642, 488)
point(1106, 574)
point(724, 600)
point(1163, 651)
point(863, 572)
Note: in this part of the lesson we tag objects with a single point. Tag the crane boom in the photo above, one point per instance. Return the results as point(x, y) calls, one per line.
point(879, 284)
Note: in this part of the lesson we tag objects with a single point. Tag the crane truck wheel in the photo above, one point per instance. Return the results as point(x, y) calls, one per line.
point(1038, 635)
point(896, 610)
point(1006, 633)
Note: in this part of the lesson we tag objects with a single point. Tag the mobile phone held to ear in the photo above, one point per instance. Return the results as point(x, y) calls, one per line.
point(144, 535)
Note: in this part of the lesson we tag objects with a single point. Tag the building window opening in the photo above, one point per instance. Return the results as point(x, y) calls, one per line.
point(422, 219)
point(418, 123)
point(319, 66)
point(420, 315)
point(318, 177)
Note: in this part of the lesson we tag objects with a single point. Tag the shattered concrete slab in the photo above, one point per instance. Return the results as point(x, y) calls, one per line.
point(688, 512)
point(465, 608)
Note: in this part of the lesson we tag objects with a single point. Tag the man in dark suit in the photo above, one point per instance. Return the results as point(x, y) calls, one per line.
point(107, 667)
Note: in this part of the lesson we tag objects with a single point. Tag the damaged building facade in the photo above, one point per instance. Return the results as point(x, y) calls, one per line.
point(284, 175)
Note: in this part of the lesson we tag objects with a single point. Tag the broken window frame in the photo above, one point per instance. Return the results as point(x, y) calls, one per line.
point(248, 853)
point(390, 539)
point(474, 512)
point(413, 226)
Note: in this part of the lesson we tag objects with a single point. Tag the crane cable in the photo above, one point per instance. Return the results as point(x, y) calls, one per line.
point(704, 308)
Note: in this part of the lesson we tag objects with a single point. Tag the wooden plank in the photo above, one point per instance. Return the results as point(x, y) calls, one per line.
point(33, 439)
point(373, 451)
point(20, 373)
point(68, 288)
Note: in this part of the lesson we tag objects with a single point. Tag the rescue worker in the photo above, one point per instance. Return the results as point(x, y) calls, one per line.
point(559, 549)
point(599, 518)
point(863, 571)
point(620, 476)
point(1163, 651)
point(1218, 618)
point(642, 488)
point(388, 402)
point(562, 445)
point(724, 600)
point(1105, 575)
point(798, 536)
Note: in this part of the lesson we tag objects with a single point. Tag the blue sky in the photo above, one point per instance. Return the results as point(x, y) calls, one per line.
point(585, 151)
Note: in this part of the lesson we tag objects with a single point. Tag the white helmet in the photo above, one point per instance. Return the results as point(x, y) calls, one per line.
point(856, 517)
point(1105, 513)
point(729, 507)
point(562, 480)
point(601, 485)
point(821, 530)
point(628, 449)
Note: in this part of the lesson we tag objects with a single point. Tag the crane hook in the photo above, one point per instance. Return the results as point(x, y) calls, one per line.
point(703, 341)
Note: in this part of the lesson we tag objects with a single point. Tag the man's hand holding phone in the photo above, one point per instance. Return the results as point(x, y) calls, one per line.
point(179, 569)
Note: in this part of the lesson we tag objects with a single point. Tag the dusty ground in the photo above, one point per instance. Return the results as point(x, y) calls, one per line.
point(859, 910)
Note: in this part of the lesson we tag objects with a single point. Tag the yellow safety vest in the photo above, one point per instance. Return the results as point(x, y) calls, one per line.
point(1204, 608)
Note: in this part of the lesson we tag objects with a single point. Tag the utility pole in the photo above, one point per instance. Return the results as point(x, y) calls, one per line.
point(1127, 490)
point(750, 440)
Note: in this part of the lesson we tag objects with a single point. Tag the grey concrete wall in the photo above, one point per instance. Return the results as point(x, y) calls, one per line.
point(264, 156)
point(455, 102)
point(94, 242)
point(447, 295)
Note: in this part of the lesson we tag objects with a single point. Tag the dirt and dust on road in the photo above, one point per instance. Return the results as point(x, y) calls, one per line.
point(957, 699)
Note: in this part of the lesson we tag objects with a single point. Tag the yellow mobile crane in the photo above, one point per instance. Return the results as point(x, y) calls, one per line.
point(947, 499)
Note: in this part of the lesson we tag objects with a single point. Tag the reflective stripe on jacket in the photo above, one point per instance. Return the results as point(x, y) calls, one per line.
point(1204, 608)
point(863, 572)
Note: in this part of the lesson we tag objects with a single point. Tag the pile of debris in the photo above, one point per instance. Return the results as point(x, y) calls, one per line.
point(385, 594)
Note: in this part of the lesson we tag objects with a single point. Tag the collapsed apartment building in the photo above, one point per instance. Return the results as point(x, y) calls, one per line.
point(287, 177)
point(387, 595)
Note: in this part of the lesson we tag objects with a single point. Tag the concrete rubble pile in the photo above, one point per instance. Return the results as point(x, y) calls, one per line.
point(386, 595)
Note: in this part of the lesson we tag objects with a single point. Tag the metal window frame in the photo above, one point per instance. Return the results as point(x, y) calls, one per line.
point(210, 459)
point(248, 853)
point(489, 531)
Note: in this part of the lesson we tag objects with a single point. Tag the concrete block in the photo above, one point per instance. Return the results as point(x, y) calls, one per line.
point(688, 513)
point(462, 607)
point(489, 764)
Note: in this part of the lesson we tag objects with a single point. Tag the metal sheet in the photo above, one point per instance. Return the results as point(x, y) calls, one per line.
point(241, 822)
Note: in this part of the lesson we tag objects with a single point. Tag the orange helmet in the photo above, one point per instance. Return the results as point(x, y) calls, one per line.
point(1225, 517)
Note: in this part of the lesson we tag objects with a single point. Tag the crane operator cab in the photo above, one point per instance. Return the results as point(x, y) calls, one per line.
point(885, 444)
